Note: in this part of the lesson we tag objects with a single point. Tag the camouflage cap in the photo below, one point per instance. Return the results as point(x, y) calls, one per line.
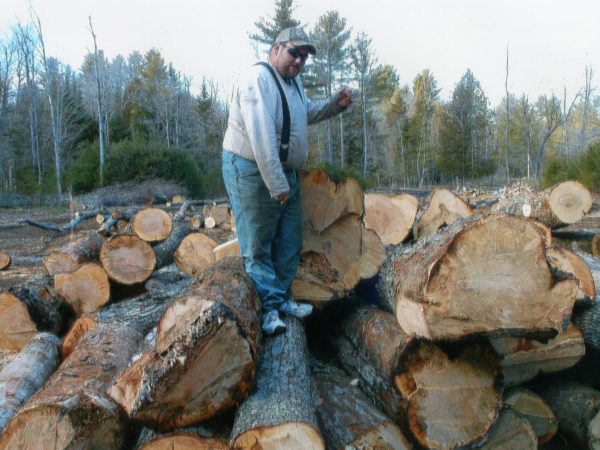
point(297, 37)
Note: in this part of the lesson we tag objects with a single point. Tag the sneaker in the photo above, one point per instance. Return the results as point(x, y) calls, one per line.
point(272, 324)
point(299, 310)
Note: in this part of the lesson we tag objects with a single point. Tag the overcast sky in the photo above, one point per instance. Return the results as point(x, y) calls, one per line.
point(550, 42)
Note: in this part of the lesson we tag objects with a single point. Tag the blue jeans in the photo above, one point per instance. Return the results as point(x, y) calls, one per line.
point(269, 234)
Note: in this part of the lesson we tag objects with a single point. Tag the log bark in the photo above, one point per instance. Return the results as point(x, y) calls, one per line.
point(195, 253)
point(127, 259)
point(441, 208)
point(537, 413)
point(576, 407)
point(523, 359)
point(229, 248)
point(566, 264)
point(596, 245)
point(557, 206)
point(165, 250)
point(4, 260)
point(480, 275)
point(86, 289)
point(348, 419)
point(204, 358)
point(26, 373)
point(71, 255)
point(152, 224)
point(390, 216)
point(56, 263)
point(192, 438)
point(511, 431)
point(417, 384)
point(72, 410)
point(280, 411)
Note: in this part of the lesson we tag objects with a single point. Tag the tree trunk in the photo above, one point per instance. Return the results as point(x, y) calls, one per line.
point(557, 206)
point(86, 289)
point(523, 359)
point(537, 413)
point(26, 373)
point(72, 409)
point(565, 264)
point(166, 249)
point(479, 275)
point(338, 250)
point(4, 260)
point(390, 216)
point(348, 419)
point(127, 259)
point(576, 407)
point(195, 253)
point(16, 325)
point(204, 358)
point(152, 224)
point(440, 208)
point(280, 411)
point(441, 402)
point(511, 431)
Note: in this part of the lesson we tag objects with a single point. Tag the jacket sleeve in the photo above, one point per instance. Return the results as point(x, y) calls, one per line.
point(258, 105)
point(323, 109)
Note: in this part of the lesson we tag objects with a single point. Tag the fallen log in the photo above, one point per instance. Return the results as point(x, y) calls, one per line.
point(127, 259)
point(576, 407)
point(164, 251)
point(86, 289)
point(72, 410)
point(279, 413)
point(390, 216)
point(566, 264)
point(16, 325)
point(229, 248)
point(481, 275)
point(523, 359)
point(195, 253)
point(348, 419)
point(26, 373)
point(562, 204)
point(4, 260)
point(191, 438)
point(441, 208)
point(204, 358)
point(70, 256)
point(510, 431)
point(537, 413)
point(152, 224)
point(216, 215)
point(417, 384)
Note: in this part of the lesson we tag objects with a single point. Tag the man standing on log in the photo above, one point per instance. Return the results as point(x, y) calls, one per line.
point(263, 150)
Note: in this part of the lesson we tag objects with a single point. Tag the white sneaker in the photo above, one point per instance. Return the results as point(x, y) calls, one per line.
point(272, 324)
point(299, 310)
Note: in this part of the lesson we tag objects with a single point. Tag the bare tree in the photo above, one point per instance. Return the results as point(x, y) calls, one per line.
point(585, 107)
point(507, 119)
point(7, 161)
point(100, 101)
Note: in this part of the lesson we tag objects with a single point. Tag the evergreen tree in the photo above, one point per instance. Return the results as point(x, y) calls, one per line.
point(269, 27)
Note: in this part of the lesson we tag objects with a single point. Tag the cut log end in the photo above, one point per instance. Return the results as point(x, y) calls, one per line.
point(16, 325)
point(570, 201)
point(184, 441)
point(86, 289)
point(567, 264)
point(4, 260)
point(288, 435)
point(391, 217)
point(152, 224)
point(75, 333)
point(195, 253)
point(127, 259)
point(442, 209)
point(56, 263)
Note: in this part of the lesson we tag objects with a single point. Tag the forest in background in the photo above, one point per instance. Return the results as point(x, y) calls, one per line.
point(67, 130)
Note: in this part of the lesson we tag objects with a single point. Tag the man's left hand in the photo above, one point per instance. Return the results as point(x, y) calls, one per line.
point(344, 97)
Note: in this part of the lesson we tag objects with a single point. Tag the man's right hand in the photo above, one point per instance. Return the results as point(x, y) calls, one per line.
point(282, 198)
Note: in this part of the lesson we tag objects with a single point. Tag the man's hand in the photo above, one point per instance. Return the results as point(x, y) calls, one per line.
point(282, 198)
point(344, 97)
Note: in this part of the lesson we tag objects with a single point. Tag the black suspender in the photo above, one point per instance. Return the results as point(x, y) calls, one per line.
point(285, 131)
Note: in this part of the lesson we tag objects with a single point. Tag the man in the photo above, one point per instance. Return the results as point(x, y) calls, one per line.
point(262, 177)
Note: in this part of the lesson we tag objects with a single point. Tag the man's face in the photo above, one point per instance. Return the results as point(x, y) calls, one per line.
point(286, 63)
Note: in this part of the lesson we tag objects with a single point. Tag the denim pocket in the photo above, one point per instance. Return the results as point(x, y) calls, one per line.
point(244, 167)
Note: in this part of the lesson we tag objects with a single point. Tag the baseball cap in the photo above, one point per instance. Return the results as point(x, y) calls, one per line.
point(297, 37)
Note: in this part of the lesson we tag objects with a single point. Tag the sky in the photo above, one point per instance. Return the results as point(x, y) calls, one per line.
point(549, 42)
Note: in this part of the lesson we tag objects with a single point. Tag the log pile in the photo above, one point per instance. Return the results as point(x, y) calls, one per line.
point(438, 325)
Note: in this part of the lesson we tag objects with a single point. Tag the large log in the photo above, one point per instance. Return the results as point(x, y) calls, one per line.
point(71, 255)
point(165, 250)
point(339, 251)
point(510, 431)
point(72, 409)
point(26, 373)
point(567, 264)
point(533, 408)
point(16, 325)
point(279, 413)
point(485, 274)
point(441, 208)
point(205, 354)
point(390, 216)
point(442, 402)
point(523, 359)
point(191, 438)
point(195, 253)
point(86, 289)
point(576, 407)
point(587, 318)
point(127, 259)
point(4, 260)
point(348, 419)
point(557, 206)
point(152, 224)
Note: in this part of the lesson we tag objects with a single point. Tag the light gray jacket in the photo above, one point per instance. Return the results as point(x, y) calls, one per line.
point(256, 121)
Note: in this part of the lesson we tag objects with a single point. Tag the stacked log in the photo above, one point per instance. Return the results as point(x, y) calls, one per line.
point(73, 254)
point(4, 260)
point(441, 208)
point(390, 216)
